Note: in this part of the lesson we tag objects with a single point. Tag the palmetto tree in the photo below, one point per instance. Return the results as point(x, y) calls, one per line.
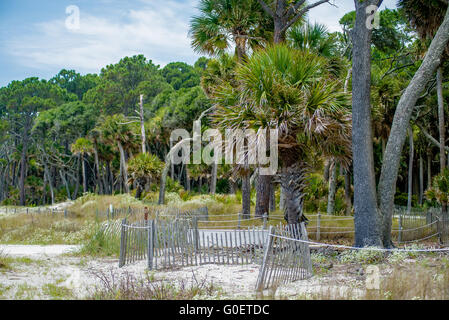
point(313, 37)
point(83, 147)
point(143, 169)
point(223, 23)
point(289, 90)
point(116, 131)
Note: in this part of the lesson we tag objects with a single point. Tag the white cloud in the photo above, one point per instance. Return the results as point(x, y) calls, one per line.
point(158, 29)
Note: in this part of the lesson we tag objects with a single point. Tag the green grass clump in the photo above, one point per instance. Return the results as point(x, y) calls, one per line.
point(362, 256)
point(57, 292)
point(101, 245)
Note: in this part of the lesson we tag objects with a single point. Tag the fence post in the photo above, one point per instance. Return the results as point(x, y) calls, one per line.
point(240, 220)
point(65, 213)
point(263, 268)
point(150, 244)
point(265, 219)
point(400, 229)
point(318, 226)
point(122, 257)
point(195, 233)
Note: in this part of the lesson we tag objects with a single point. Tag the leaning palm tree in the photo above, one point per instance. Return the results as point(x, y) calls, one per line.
point(224, 23)
point(290, 90)
point(82, 147)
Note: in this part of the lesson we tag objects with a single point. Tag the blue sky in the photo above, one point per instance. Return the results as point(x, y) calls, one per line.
point(34, 40)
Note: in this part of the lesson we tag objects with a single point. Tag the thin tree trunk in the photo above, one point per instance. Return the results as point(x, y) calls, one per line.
point(429, 168)
point(272, 197)
point(410, 171)
point(282, 198)
point(246, 196)
point(83, 162)
point(401, 120)
point(64, 180)
point(442, 128)
point(421, 180)
point(23, 165)
point(332, 189)
point(348, 200)
point(142, 125)
point(124, 168)
point(213, 181)
point(77, 179)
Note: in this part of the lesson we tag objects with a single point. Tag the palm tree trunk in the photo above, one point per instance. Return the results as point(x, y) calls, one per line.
point(263, 195)
point(292, 180)
point(332, 189)
point(213, 181)
point(246, 196)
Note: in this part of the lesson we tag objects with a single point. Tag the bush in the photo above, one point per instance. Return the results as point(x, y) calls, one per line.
point(362, 256)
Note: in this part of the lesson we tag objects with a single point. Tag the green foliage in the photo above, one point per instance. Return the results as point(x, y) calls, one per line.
point(181, 75)
point(440, 188)
point(362, 256)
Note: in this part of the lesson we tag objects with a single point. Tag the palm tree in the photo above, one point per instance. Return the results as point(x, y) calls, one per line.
point(222, 22)
point(290, 90)
point(115, 130)
point(313, 37)
point(316, 38)
point(81, 147)
point(143, 169)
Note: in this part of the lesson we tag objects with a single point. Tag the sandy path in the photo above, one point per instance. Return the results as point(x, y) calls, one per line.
point(36, 251)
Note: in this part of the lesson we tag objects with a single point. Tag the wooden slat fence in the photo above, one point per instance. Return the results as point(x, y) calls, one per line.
point(285, 258)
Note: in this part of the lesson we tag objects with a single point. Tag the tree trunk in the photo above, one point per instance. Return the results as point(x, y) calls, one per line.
point(404, 110)
point(282, 198)
point(123, 166)
point(348, 200)
point(366, 217)
point(332, 189)
point(263, 195)
point(83, 162)
point(441, 129)
point(429, 168)
point(142, 125)
point(272, 197)
point(64, 180)
point(421, 180)
point(77, 180)
point(213, 179)
point(293, 182)
point(246, 196)
point(410, 171)
point(23, 165)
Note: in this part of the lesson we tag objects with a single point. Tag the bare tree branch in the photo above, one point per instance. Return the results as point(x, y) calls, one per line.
point(266, 8)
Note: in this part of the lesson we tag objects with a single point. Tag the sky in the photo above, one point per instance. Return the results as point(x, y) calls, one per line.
point(39, 38)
